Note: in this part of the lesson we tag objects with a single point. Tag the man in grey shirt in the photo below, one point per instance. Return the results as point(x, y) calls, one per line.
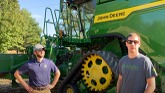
point(136, 71)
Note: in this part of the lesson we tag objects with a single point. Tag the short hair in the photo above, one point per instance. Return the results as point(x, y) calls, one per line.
point(133, 34)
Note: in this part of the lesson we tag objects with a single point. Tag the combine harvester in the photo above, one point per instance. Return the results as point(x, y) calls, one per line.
point(89, 40)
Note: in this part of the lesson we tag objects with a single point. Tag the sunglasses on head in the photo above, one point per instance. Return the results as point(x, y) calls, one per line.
point(39, 50)
point(132, 41)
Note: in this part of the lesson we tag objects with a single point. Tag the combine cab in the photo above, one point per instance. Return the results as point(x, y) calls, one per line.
point(89, 39)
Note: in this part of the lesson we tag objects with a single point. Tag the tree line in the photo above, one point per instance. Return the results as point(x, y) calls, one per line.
point(17, 27)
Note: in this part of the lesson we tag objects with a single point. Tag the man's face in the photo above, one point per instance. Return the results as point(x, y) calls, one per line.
point(133, 44)
point(40, 53)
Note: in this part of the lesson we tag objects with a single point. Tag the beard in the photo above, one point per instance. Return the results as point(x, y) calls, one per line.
point(40, 55)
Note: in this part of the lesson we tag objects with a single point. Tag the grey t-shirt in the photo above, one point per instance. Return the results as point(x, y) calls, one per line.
point(134, 73)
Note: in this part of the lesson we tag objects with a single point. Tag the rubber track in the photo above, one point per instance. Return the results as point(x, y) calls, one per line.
point(75, 74)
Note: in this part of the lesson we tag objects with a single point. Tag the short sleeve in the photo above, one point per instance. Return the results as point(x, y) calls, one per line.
point(119, 71)
point(149, 69)
point(23, 69)
point(53, 67)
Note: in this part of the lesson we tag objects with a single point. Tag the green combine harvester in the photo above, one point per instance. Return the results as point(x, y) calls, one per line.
point(89, 40)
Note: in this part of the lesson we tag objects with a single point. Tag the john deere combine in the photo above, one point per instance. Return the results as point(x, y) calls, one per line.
point(89, 40)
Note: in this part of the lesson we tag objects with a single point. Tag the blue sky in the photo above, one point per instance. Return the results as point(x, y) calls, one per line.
point(37, 8)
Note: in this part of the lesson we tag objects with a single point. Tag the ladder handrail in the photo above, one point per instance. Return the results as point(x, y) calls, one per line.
point(48, 21)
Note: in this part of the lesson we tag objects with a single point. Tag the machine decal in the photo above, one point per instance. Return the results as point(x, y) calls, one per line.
point(121, 14)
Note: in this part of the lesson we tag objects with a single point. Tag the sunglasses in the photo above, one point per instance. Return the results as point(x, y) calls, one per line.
point(132, 41)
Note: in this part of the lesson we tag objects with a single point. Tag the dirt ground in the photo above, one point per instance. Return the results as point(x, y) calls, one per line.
point(6, 87)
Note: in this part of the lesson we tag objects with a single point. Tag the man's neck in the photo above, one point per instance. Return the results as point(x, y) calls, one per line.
point(39, 59)
point(133, 55)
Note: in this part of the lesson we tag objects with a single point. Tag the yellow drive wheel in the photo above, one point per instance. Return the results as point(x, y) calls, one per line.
point(70, 88)
point(96, 72)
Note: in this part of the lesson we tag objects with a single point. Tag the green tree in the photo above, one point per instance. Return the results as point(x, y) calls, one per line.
point(31, 29)
point(18, 29)
point(8, 24)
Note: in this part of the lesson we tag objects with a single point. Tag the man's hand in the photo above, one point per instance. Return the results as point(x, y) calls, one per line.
point(50, 86)
point(29, 89)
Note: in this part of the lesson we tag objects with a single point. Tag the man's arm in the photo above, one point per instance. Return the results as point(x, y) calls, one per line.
point(119, 81)
point(55, 79)
point(20, 79)
point(150, 85)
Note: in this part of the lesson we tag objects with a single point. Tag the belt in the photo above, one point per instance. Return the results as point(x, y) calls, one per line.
point(39, 88)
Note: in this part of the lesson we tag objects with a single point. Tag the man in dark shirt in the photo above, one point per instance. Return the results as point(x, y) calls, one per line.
point(136, 71)
point(38, 70)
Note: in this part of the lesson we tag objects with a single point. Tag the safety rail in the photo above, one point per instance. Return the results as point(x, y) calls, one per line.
point(69, 24)
point(74, 23)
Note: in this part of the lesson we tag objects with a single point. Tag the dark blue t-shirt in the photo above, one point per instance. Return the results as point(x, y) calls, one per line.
point(38, 72)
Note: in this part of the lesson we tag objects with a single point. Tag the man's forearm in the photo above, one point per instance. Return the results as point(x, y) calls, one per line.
point(56, 78)
point(20, 79)
point(119, 81)
point(118, 86)
point(150, 85)
point(149, 89)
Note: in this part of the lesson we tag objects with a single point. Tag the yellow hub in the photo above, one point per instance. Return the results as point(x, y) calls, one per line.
point(69, 90)
point(96, 73)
